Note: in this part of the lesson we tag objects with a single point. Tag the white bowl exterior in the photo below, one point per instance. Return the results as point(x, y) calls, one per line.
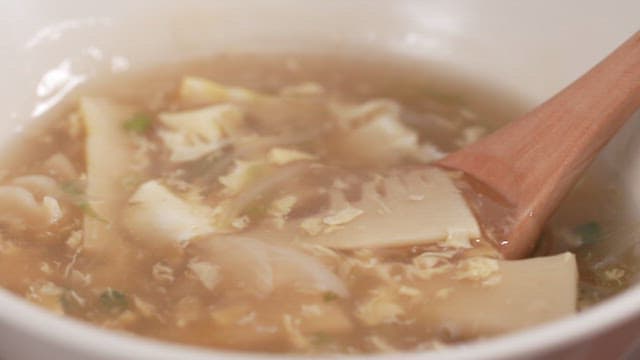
point(530, 49)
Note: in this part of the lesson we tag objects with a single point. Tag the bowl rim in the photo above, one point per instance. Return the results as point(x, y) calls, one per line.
point(74, 336)
point(83, 338)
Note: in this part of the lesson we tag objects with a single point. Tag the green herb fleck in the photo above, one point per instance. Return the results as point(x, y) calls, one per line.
point(131, 181)
point(88, 210)
point(319, 339)
point(76, 196)
point(113, 301)
point(589, 232)
point(329, 296)
point(139, 123)
point(72, 188)
point(69, 302)
point(256, 211)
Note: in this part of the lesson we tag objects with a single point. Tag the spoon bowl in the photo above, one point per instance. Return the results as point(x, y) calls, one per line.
point(530, 164)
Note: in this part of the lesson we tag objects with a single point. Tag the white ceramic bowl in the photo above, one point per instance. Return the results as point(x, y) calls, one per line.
point(530, 49)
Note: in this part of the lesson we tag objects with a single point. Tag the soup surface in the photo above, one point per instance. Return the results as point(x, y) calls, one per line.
point(281, 204)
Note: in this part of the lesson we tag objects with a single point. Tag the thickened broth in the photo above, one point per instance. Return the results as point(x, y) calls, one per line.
point(281, 204)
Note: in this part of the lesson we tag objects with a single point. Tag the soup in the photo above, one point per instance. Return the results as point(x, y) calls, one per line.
point(279, 204)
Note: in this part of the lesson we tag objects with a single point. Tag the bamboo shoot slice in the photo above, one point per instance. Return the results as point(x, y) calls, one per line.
point(525, 293)
point(421, 206)
point(108, 153)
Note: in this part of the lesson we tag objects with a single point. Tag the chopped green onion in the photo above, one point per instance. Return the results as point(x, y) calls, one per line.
point(76, 196)
point(88, 210)
point(131, 181)
point(329, 296)
point(72, 188)
point(589, 232)
point(319, 339)
point(68, 302)
point(256, 211)
point(113, 301)
point(140, 124)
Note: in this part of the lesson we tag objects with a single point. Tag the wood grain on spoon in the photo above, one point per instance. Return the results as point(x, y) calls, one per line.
point(534, 161)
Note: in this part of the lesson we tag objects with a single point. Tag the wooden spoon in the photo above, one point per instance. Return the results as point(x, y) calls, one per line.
point(533, 162)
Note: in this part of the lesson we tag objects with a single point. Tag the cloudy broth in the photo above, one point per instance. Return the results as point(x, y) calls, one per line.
point(279, 204)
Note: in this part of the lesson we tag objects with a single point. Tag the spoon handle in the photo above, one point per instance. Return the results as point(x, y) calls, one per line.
point(533, 161)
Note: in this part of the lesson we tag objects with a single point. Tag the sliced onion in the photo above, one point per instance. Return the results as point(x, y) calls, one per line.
point(264, 186)
point(262, 267)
